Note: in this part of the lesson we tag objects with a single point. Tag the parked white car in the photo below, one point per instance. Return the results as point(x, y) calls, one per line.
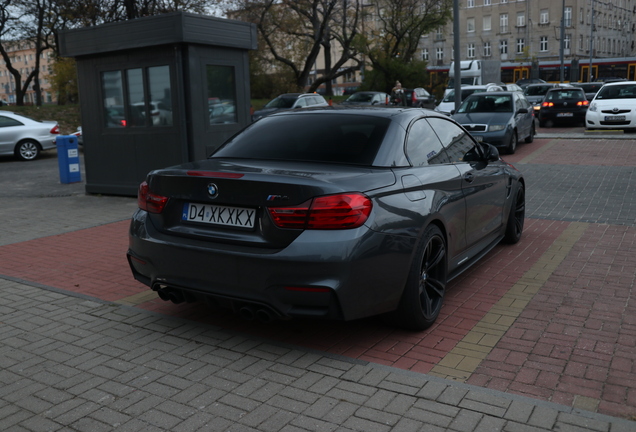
point(24, 137)
point(448, 103)
point(613, 107)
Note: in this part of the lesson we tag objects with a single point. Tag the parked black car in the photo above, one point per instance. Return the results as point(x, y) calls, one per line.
point(563, 105)
point(338, 213)
point(590, 88)
point(417, 97)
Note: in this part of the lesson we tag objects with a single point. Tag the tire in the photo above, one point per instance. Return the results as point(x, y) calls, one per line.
point(530, 137)
point(512, 145)
point(423, 294)
point(516, 217)
point(27, 150)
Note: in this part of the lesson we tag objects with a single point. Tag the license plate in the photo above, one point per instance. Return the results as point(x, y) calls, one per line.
point(219, 215)
point(565, 114)
point(615, 118)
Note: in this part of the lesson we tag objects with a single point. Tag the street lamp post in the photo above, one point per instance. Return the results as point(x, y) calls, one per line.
point(457, 55)
point(589, 74)
point(562, 47)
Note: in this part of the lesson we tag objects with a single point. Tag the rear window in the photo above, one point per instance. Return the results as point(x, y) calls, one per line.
point(537, 90)
point(333, 138)
point(565, 94)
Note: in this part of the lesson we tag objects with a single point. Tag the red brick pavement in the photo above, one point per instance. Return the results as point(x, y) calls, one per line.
point(577, 337)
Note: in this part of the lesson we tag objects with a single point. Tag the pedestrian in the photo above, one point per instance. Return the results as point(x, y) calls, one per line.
point(397, 94)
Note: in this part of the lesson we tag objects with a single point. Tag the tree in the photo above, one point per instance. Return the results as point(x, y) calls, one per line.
point(392, 36)
point(33, 23)
point(295, 32)
point(63, 79)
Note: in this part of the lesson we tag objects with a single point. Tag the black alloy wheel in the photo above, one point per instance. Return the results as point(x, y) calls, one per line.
point(516, 217)
point(423, 294)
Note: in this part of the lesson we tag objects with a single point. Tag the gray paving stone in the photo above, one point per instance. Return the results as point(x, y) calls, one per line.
point(519, 412)
point(490, 424)
point(543, 417)
point(466, 420)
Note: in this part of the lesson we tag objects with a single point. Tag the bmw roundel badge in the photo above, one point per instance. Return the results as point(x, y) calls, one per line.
point(213, 191)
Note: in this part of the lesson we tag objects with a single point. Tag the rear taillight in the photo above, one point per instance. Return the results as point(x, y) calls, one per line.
point(55, 130)
point(342, 211)
point(583, 103)
point(413, 97)
point(148, 201)
point(547, 104)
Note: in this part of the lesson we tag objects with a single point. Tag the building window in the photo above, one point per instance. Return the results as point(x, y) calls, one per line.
point(543, 43)
point(439, 54)
point(544, 17)
point(487, 23)
point(581, 15)
point(425, 54)
point(470, 25)
point(521, 19)
point(439, 33)
point(487, 49)
point(567, 16)
point(487, 2)
point(470, 4)
point(503, 46)
point(566, 41)
point(521, 44)
point(471, 50)
point(503, 23)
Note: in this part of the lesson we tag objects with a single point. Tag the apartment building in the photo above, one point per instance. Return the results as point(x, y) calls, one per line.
point(530, 30)
point(22, 56)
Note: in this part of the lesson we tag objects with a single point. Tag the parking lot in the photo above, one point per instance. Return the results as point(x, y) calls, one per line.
point(552, 318)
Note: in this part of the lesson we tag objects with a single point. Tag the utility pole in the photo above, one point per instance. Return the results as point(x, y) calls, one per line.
point(562, 47)
point(589, 73)
point(457, 55)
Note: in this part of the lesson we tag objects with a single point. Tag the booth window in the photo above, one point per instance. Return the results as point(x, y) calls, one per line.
point(221, 94)
point(146, 102)
point(113, 94)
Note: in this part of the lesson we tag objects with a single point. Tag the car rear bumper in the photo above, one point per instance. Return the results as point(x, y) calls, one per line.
point(344, 274)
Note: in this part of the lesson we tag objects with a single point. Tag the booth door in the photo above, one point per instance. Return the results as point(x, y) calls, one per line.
point(220, 97)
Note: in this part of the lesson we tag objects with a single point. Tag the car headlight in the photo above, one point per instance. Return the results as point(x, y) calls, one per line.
point(592, 107)
point(495, 128)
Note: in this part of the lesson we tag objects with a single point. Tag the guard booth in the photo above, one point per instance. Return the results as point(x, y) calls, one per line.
point(157, 91)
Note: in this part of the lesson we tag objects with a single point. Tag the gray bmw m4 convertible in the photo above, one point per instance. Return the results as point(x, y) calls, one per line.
point(328, 213)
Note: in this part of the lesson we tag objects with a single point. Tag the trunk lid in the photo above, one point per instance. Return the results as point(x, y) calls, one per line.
point(234, 195)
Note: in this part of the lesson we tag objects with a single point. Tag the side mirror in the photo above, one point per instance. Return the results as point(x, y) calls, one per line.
point(491, 154)
point(452, 112)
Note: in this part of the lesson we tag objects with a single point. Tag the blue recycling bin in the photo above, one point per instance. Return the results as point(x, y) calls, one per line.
point(68, 159)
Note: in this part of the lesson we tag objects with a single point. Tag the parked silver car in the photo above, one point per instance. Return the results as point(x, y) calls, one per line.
point(289, 101)
point(498, 118)
point(24, 137)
